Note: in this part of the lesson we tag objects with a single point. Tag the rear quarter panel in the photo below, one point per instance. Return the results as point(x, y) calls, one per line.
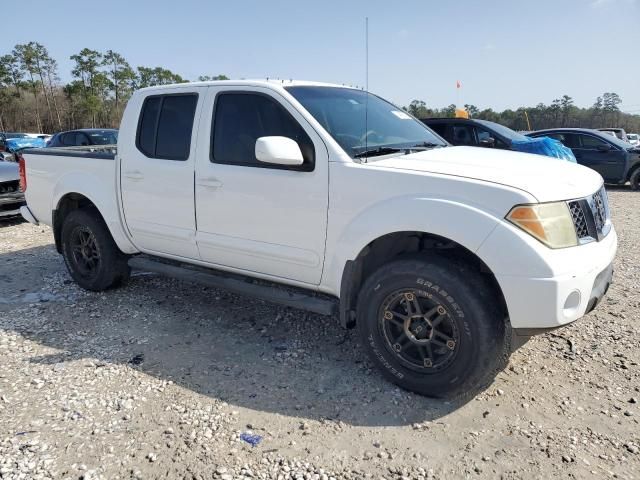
point(51, 177)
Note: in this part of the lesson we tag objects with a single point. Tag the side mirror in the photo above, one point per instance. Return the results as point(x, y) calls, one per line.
point(278, 151)
point(605, 147)
point(488, 142)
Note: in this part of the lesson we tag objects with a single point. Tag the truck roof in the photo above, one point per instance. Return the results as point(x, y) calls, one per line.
point(269, 83)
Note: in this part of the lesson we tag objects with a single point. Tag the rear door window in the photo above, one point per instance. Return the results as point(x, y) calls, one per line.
point(439, 128)
point(463, 135)
point(69, 139)
point(166, 125)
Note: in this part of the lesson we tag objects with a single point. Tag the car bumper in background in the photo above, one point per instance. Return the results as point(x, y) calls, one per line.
point(547, 303)
point(10, 204)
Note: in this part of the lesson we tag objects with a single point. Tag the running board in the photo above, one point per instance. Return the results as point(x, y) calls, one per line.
point(297, 299)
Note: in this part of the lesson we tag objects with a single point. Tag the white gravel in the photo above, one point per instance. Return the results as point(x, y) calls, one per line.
point(160, 379)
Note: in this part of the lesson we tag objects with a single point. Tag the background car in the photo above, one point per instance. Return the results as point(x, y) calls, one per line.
point(634, 139)
point(616, 160)
point(618, 132)
point(14, 145)
point(84, 137)
point(4, 136)
point(483, 133)
point(11, 198)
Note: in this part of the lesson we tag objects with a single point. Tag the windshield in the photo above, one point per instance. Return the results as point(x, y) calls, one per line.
point(615, 140)
point(360, 121)
point(103, 137)
point(504, 131)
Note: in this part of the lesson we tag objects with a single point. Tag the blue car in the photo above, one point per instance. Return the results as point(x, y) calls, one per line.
point(14, 145)
point(617, 161)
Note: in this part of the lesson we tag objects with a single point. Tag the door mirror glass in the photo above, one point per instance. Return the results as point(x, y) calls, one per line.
point(278, 151)
point(488, 142)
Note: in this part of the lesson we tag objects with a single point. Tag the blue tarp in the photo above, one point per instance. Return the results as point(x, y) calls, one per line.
point(544, 146)
point(14, 144)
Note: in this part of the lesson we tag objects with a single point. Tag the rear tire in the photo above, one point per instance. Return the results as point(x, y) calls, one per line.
point(90, 254)
point(635, 179)
point(433, 326)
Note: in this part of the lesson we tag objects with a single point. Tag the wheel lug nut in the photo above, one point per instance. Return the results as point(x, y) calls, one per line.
point(441, 310)
point(388, 315)
point(428, 363)
point(410, 296)
point(451, 344)
point(397, 347)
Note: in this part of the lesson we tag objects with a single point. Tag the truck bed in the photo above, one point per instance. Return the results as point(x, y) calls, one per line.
point(51, 172)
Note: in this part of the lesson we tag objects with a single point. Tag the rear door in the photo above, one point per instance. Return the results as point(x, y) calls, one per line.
point(253, 216)
point(157, 169)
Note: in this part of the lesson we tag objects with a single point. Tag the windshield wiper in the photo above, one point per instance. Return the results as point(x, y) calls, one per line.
point(425, 145)
point(372, 152)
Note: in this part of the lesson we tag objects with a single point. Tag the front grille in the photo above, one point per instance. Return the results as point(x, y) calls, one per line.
point(591, 217)
point(9, 187)
point(579, 219)
point(599, 213)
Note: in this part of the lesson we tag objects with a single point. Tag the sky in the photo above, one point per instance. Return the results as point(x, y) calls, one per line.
point(505, 53)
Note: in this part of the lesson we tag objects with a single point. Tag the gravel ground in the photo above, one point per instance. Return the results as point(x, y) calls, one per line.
point(160, 379)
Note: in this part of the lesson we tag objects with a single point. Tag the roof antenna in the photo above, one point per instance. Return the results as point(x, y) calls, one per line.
point(366, 79)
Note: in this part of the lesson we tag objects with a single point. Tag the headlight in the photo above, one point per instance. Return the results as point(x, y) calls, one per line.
point(550, 223)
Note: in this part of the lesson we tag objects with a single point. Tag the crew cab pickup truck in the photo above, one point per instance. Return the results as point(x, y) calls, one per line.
point(334, 200)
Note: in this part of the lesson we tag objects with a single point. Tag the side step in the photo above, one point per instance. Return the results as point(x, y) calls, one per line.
point(294, 299)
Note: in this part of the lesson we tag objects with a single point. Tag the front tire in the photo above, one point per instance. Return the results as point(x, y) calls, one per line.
point(90, 254)
point(433, 326)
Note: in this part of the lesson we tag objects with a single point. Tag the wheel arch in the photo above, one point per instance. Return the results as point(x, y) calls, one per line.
point(635, 168)
point(73, 200)
point(400, 244)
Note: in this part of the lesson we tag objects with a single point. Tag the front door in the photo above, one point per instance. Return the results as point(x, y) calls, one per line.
point(252, 216)
point(157, 173)
point(605, 158)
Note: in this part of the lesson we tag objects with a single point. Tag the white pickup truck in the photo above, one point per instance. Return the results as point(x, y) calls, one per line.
point(331, 199)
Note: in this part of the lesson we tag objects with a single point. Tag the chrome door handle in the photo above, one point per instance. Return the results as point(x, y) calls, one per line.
point(210, 182)
point(134, 175)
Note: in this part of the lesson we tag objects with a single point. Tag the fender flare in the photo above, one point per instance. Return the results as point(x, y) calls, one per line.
point(407, 214)
point(104, 200)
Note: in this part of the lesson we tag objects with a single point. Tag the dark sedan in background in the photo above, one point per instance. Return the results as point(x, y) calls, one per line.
point(618, 162)
point(473, 132)
point(84, 137)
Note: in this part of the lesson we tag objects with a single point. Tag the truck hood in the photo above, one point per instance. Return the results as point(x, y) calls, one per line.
point(8, 171)
point(547, 179)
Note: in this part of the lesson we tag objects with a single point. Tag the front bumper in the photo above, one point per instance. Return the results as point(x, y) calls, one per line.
point(551, 302)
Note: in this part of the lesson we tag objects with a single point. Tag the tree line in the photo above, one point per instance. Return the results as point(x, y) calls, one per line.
point(561, 112)
point(33, 99)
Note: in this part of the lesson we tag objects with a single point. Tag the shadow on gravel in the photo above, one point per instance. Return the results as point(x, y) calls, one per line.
point(245, 352)
point(11, 221)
